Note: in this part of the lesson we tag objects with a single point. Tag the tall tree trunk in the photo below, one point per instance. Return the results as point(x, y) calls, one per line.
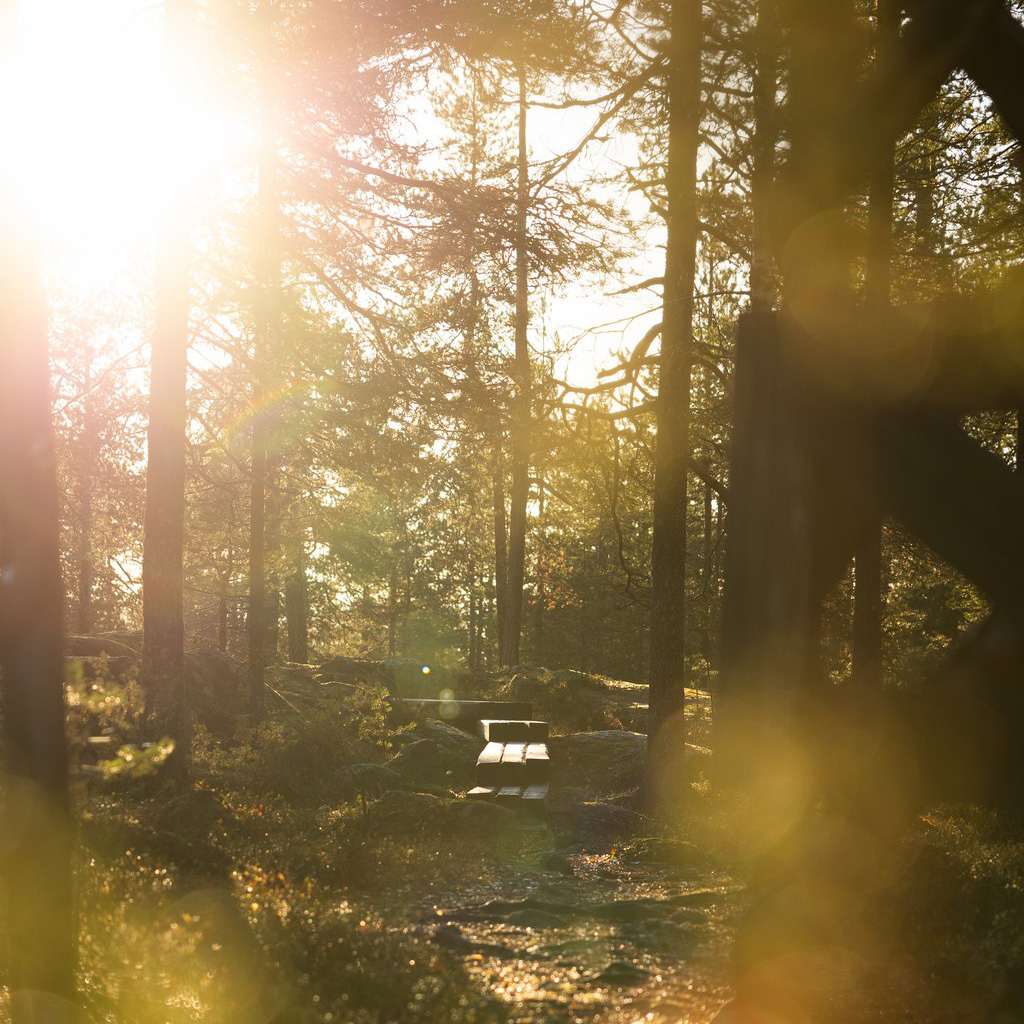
point(766, 84)
point(266, 273)
point(272, 533)
point(88, 446)
point(868, 604)
point(35, 861)
point(256, 618)
point(500, 548)
point(222, 620)
point(538, 595)
point(164, 529)
point(667, 727)
point(472, 647)
point(490, 615)
point(519, 431)
point(35, 866)
point(707, 571)
point(296, 596)
point(393, 606)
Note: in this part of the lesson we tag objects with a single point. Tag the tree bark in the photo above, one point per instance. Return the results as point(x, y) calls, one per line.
point(472, 648)
point(296, 597)
point(538, 593)
point(707, 572)
point(88, 449)
point(393, 605)
point(766, 84)
point(35, 863)
point(667, 728)
point(163, 631)
point(520, 422)
point(500, 548)
point(868, 600)
point(266, 272)
point(272, 534)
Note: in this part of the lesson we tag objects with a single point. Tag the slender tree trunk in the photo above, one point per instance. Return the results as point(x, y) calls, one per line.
point(538, 596)
point(35, 852)
point(491, 616)
point(296, 597)
point(88, 445)
point(766, 84)
point(667, 727)
point(222, 622)
point(393, 606)
point(472, 649)
point(409, 565)
point(256, 618)
point(500, 549)
point(164, 529)
point(266, 273)
point(520, 422)
point(708, 575)
point(868, 606)
point(273, 548)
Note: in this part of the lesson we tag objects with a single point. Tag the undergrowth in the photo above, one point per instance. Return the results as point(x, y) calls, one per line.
point(254, 894)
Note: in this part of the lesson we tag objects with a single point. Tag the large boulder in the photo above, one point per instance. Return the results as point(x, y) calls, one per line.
point(572, 701)
point(605, 763)
point(419, 762)
point(368, 780)
point(458, 750)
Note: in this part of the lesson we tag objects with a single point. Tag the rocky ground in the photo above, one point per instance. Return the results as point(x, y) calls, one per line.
point(595, 937)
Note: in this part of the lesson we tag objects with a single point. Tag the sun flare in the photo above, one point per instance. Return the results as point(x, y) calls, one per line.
point(106, 132)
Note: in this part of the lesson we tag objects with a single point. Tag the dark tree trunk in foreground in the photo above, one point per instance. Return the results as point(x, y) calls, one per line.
point(35, 865)
point(868, 606)
point(35, 853)
point(667, 728)
point(520, 424)
point(164, 537)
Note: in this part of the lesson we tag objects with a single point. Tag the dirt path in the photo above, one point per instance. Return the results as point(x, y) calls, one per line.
point(593, 938)
point(588, 937)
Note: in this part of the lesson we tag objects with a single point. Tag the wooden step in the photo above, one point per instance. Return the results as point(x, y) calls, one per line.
point(531, 799)
point(537, 763)
point(504, 730)
point(535, 798)
point(513, 764)
point(488, 765)
point(509, 796)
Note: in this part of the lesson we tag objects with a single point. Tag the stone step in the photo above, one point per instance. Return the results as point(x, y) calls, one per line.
point(503, 730)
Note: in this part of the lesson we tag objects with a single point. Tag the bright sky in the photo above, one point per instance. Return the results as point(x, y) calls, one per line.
point(105, 135)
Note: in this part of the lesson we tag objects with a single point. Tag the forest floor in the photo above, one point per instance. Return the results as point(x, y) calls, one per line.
point(609, 942)
point(328, 870)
